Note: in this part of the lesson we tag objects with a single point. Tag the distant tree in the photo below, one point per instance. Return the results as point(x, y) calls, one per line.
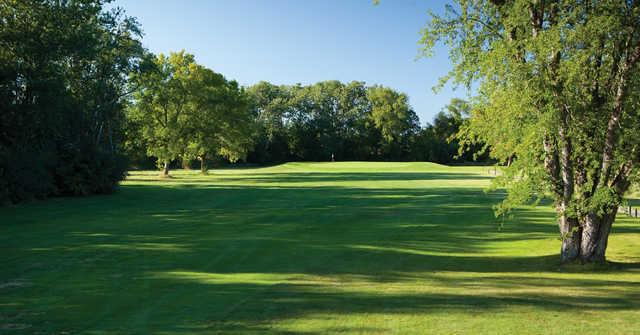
point(559, 93)
point(315, 120)
point(331, 119)
point(166, 104)
point(185, 110)
point(438, 141)
point(269, 104)
point(449, 128)
point(222, 124)
point(355, 108)
point(392, 116)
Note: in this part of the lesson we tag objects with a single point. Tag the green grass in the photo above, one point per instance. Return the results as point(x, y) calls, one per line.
point(305, 248)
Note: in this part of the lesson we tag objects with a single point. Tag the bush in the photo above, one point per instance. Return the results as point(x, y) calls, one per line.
point(25, 175)
point(28, 175)
point(88, 170)
point(63, 90)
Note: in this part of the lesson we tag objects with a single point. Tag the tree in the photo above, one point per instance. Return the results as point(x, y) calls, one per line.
point(394, 118)
point(315, 120)
point(559, 93)
point(185, 110)
point(331, 119)
point(440, 141)
point(269, 104)
point(223, 124)
point(165, 104)
point(354, 123)
point(63, 88)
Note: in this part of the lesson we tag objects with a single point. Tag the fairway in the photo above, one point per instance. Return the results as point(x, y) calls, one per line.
point(305, 248)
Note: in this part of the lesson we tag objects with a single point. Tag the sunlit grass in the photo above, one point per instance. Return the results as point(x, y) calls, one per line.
point(305, 248)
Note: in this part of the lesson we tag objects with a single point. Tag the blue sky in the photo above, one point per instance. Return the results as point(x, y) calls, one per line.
point(303, 41)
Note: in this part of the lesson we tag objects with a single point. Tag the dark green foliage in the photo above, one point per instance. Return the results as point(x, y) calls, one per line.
point(134, 147)
point(440, 142)
point(88, 169)
point(427, 146)
point(63, 77)
point(349, 122)
point(25, 174)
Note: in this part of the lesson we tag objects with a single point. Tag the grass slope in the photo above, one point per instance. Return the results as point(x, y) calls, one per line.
point(304, 248)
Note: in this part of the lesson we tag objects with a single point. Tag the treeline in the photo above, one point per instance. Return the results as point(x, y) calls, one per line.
point(82, 101)
point(269, 123)
point(64, 69)
point(332, 120)
point(266, 123)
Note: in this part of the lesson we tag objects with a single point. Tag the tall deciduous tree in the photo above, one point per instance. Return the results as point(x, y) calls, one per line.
point(269, 104)
point(185, 110)
point(222, 123)
point(559, 90)
point(394, 118)
point(166, 103)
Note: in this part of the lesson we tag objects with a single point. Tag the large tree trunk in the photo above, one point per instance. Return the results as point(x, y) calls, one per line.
point(165, 170)
point(586, 241)
point(570, 234)
point(595, 236)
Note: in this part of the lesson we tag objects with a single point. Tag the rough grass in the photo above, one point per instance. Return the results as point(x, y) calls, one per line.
point(305, 248)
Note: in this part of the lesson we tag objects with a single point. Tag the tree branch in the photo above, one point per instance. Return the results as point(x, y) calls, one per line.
point(551, 165)
point(614, 120)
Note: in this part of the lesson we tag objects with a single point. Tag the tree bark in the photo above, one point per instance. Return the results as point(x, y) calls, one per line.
point(595, 237)
point(570, 234)
point(203, 164)
point(586, 240)
point(165, 170)
point(603, 239)
point(552, 165)
point(614, 120)
point(590, 237)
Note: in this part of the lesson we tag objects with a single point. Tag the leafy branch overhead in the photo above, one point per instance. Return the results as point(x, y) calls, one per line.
point(559, 94)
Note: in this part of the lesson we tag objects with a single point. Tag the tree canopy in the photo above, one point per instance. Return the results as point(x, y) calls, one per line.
point(63, 84)
point(559, 93)
point(349, 121)
point(82, 101)
point(185, 110)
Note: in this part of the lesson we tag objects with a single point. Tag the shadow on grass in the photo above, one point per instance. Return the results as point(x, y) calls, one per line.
point(190, 258)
